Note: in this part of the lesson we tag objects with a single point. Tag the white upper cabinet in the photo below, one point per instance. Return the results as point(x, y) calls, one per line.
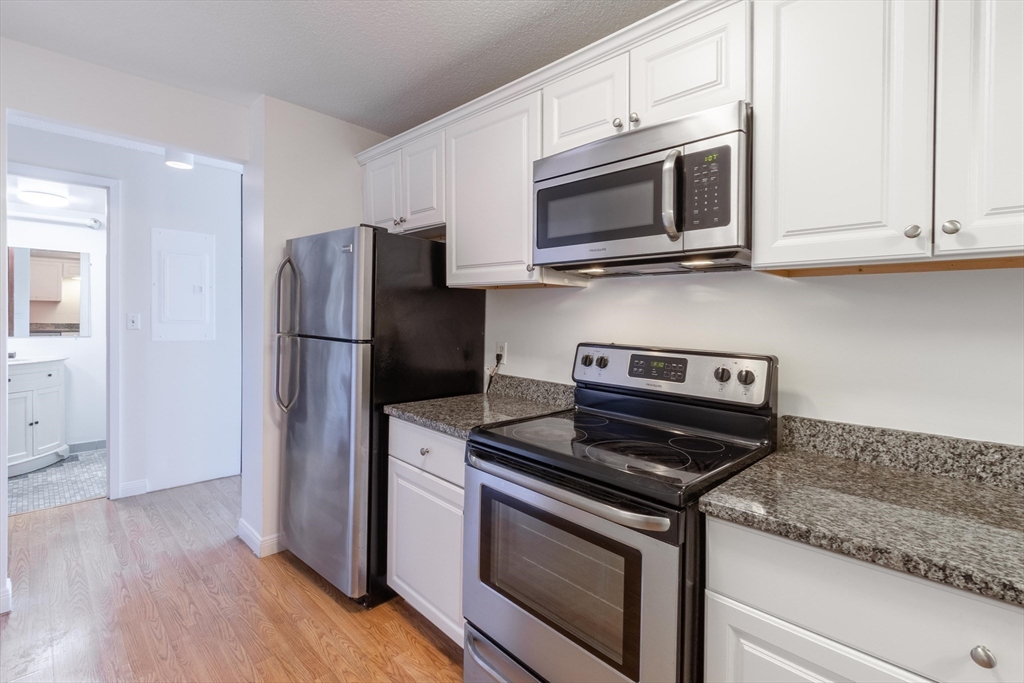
point(700, 65)
point(423, 182)
point(382, 203)
point(979, 173)
point(842, 141)
point(489, 183)
point(587, 106)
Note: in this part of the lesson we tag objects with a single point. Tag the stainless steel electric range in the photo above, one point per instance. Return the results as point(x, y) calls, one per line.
point(584, 547)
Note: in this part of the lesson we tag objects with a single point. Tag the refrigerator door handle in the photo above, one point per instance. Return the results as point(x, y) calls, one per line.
point(278, 277)
point(285, 407)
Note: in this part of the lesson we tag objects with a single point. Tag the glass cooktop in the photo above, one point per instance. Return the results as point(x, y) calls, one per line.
point(632, 454)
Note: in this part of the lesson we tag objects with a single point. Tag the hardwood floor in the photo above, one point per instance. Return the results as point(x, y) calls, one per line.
point(158, 588)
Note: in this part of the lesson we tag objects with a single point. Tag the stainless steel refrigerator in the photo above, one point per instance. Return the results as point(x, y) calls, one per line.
point(363, 319)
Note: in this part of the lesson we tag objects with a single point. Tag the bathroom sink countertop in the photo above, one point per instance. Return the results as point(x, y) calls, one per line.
point(509, 398)
point(34, 359)
point(953, 514)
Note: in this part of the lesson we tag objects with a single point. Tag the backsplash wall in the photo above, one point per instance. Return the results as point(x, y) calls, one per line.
point(933, 352)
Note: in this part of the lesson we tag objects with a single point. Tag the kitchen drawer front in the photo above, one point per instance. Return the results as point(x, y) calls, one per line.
point(441, 455)
point(913, 623)
point(38, 377)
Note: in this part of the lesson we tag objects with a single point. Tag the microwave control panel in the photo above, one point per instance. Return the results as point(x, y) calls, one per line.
point(706, 188)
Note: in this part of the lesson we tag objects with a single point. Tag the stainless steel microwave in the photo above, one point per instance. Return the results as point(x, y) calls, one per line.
point(669, 198)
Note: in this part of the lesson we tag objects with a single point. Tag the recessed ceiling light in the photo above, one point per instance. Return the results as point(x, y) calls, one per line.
point(178, 159)
point(40, 198)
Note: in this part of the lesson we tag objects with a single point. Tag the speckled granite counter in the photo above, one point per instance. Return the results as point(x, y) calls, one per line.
point(934, 521)
point(509, 398)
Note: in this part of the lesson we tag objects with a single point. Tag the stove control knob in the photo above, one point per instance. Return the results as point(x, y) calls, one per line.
point(587, 361)
point(602, 362)
point(745, 377)
point(722, 374)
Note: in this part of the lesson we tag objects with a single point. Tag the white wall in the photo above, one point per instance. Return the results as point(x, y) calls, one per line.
point(181, 413)
point(931, 352)
point(302, 179)
point(85, 383)
point(52, 86)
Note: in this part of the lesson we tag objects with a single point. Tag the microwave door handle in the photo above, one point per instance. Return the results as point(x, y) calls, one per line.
point(633, 520)
point(669, 210)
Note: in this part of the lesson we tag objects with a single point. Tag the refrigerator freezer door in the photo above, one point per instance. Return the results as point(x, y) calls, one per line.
point(332, 293)
point(326, 460)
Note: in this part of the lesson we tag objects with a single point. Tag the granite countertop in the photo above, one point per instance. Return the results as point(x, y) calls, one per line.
point(508, 398)
point(958, 525)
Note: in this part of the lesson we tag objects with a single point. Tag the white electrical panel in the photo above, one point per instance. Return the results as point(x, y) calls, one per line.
point(184, 301)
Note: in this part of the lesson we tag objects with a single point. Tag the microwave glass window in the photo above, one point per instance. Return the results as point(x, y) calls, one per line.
point(582, 584)
point(613, 206)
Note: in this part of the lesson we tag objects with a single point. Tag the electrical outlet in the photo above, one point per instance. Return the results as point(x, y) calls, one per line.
point(502, 348)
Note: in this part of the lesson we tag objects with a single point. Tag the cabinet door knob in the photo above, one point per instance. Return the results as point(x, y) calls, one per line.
point(983, 657)
point(424, 450)
point(617, 122)
point(402, 219)
point(912, 231)
point(394, 221)
point(49, 374)
point(634, 117)
point(951, 227)
point(529, 269)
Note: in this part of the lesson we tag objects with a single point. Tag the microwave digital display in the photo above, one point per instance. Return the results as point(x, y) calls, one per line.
point(706, 188)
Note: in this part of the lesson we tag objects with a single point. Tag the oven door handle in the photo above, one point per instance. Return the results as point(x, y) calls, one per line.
point(669, 210)
point(633, 520)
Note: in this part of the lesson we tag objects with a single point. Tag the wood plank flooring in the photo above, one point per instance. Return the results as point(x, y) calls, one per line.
point(159, 588)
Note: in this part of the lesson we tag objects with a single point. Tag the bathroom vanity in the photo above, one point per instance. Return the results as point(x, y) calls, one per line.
point(35, 410)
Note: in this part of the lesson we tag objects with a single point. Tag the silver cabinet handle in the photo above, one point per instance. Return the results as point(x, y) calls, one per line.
point(424, 450)
point(529, 268)
point(475, 654)
point(617, 122)
point(402, 219)
point(912, 231)
point(983, 657)
point(951, 227)
point(668, 195)
point(633, 520)
point(394, 221)
point(634, 117)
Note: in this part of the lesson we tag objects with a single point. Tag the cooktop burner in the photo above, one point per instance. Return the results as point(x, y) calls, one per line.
point(637, 454)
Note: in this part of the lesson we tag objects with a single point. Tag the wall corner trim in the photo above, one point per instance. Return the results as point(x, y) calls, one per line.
point(5, 597)
point(133, 488)
point(261, 547)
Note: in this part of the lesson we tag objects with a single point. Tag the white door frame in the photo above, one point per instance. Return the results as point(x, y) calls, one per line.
point(113, 188)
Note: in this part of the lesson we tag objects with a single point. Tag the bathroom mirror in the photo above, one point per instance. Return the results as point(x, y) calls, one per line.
point(48, 293)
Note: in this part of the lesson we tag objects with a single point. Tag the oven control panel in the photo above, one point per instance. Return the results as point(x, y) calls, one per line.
point(743, 380)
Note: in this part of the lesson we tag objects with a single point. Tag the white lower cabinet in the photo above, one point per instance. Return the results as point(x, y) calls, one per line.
point(35, 411)
point(425, 535)
point(745, 645)
point(778, 610)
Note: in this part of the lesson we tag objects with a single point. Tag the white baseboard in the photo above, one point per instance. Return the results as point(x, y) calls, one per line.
point(133, 488)
point(5, 596)
point(262, 547)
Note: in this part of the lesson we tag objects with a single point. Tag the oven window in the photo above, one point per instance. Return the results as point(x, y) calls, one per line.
point(614, 206)
point(582, 584)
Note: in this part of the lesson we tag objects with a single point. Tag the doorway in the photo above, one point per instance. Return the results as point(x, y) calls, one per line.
point(60, 228)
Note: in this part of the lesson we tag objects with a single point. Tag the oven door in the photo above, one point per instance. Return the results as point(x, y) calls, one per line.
point(612, 211)
point(573, 595)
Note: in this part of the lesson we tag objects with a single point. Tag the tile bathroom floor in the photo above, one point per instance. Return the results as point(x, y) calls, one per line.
point(81, 476)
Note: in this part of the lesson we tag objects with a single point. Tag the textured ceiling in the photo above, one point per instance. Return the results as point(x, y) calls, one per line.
point(387, 65)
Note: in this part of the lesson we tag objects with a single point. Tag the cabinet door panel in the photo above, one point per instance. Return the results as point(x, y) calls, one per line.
point(744, 645)
point(382, 203)
point(581, 108)
point(697, 66)
point(423, 182)
point(45, 280)
point(489, 186)
point(48, 413)
point(979, 165)
point(19, 433)
point(842, 131)
point(425, 545)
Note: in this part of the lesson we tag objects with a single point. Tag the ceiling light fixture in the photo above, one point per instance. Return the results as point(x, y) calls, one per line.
point(592, 270)
point(178, 159)
point(40, 198)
